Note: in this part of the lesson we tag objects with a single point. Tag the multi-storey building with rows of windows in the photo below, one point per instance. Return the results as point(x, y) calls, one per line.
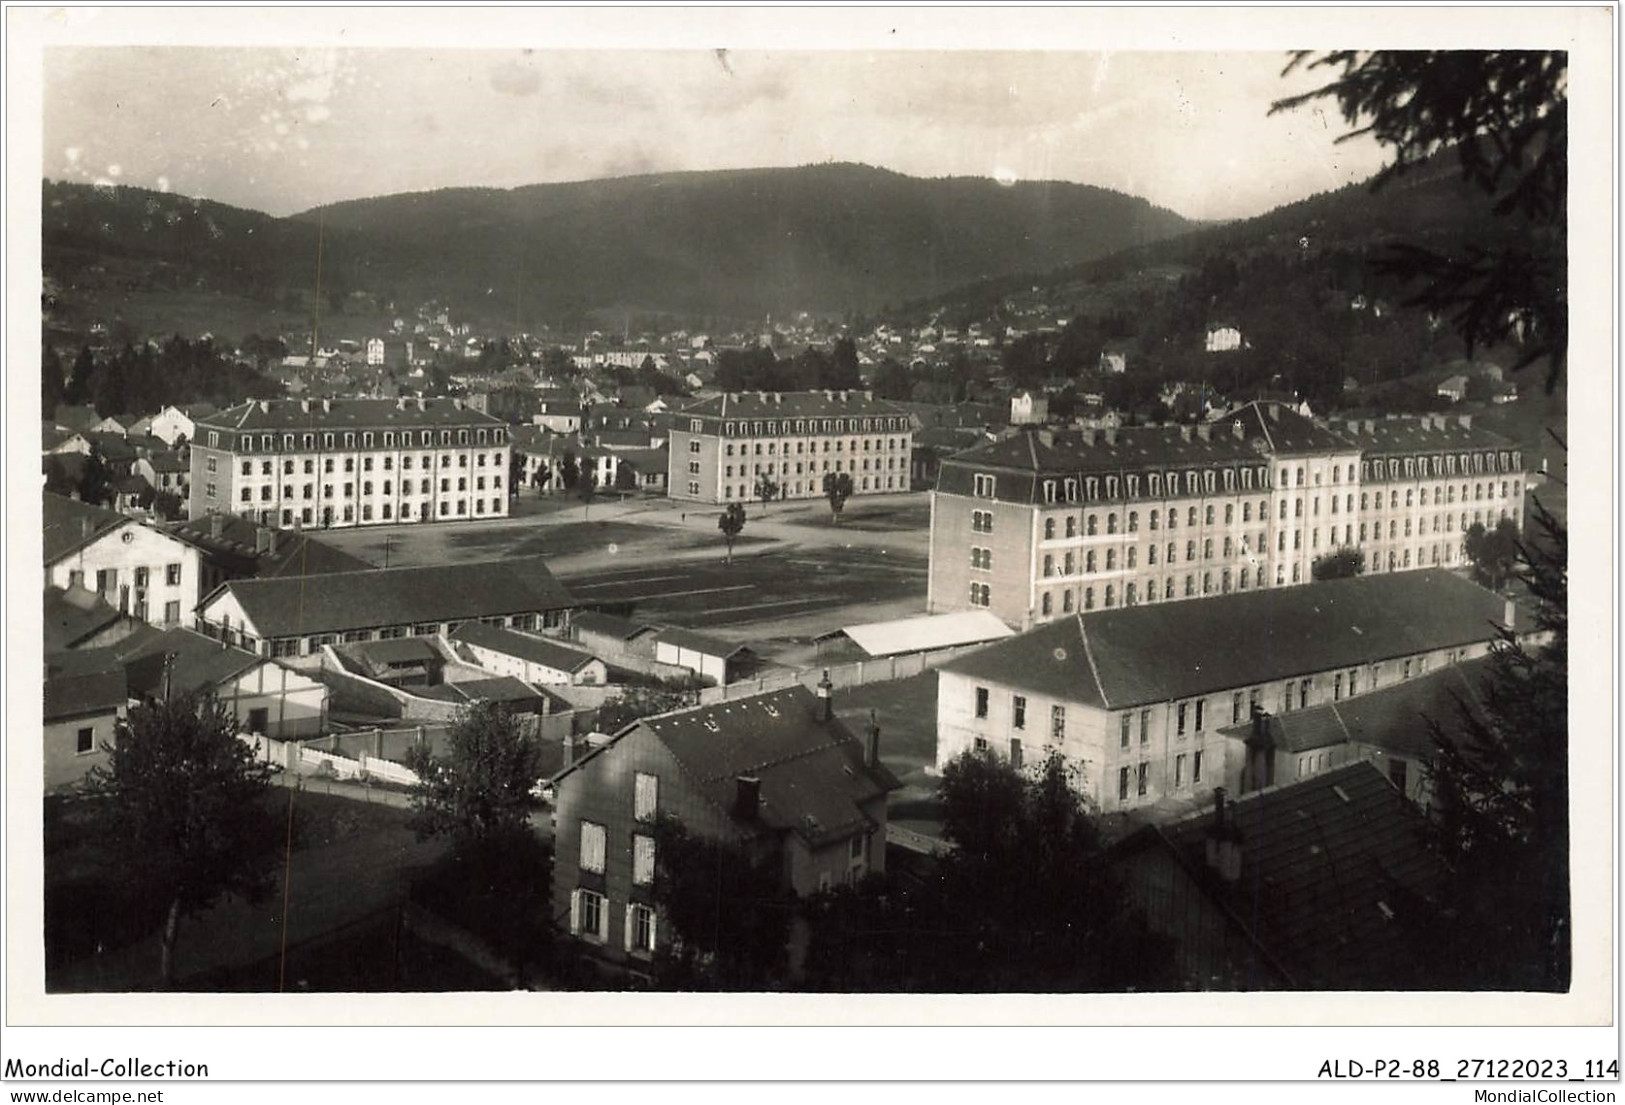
point(1047, 523)
point(350, 462)
point(722, 446)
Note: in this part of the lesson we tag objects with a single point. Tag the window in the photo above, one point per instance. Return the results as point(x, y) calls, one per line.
point(981, 702)
point(640, 929)
point(1235, 708)
point(1123, 730)
point(981, 521)
point(1018, 712)
point(1196, 766)
point(1057, 722)
point(643, 860)
point(980, 594)
point(592, 847)
point(1015, 761)
point(589, 915)
point(645, 796)
point(983, 486)
point(1179, 770)
point(1122, 784)
point(1180, 713)
point(1142, 778)
point(85, 741)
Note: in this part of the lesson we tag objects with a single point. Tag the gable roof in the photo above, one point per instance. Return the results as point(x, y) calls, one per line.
point(1394, 718)
point(74, 614)
point(609, 625)
point(699, 642)
point(1332, 870)
point(925, 632)
point(289, 606)
point(794, 404)
point(511, 643)
point(1133, 655)
point(68, 696)
point(70, 524)
point(200, 663)
point(813, 777)
point(237, 549)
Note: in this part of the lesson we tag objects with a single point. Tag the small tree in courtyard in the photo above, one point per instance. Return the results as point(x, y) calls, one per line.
point(837, 489)
point(186, 811)
point(767, 489)
point(481, 794)
point(731, 524)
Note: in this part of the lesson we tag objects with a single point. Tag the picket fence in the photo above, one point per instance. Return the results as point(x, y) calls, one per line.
point(302, 759)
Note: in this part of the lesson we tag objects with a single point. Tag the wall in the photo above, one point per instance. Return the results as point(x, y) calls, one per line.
point(296, 706)
point(853, 674)
point(530, 671)
point(601, 791)
point(1011, 542)
point(65, 767)
point(145, 548)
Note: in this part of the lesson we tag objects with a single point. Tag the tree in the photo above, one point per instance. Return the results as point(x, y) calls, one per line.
point(891, 381)
point(481, 794)
point(731, 523)
point(837, 489)
point(1026, 901)
point(84, 367)
point(626, 478)
point(570, 473)
point(96, 483)
point(1500, 797)
point(726, 913)
point(186, 811)
point(1493, 552)
point(766, 489)
point(640, 701)
point(516, 472)
point(53, 387)
point(1341, 563)
point(1505, 115)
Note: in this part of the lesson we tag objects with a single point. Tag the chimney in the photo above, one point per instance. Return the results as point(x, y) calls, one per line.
point(304, 405)
point(826, 701)
point(1223, 843)
point(265, 406)
point(1184, 433)
point(1466, 421)
point(1509, 617)
point(327, 406)
point(458, 403)
point(87, 527)
point(1046, 438)
point(1111, 436)
point(1238, 430)
point(1204, 431)
point(298, 523)
point(262, 540)
point(869, 395)
point(400, 403)
point(217, 526)
point(1275, 412)
point(761, 397)
point(1371, 426)
point(1089, 438)
point(778, 398)
point(747, 797)
point(271, 540)
point(873, 758)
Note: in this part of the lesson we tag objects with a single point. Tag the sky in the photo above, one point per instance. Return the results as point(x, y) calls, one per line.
point(284, 129)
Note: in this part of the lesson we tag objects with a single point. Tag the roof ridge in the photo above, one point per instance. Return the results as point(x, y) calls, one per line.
point(1089, 654)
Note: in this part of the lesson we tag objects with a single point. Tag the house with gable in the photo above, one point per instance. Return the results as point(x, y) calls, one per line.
point(777, 775)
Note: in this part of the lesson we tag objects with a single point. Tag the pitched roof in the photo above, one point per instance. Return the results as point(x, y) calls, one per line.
point(699, 642)
point(1115, 659)
point(794, 404)
point(1394, 718)
point(511, 643)
point(290, 414)
point(200, 663)
point(237, 548)
point(75, 417)
point(813, 776)
point(69, 696)
point(66, 522)
point(925, 632)
point(73, 615)
point(609, 625)
point(290, 606)
point(395, 650)
point(1332, 870)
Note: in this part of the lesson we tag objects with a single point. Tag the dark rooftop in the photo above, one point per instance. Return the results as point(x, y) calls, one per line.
point(1116, 659)
point(535, 649)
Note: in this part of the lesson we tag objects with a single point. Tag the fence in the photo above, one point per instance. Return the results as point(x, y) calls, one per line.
point(303, 759)
point(854, 673)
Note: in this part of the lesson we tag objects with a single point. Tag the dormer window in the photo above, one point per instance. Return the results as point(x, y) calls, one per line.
point(1071, 490)
point(1049, 491)
point(983, 485)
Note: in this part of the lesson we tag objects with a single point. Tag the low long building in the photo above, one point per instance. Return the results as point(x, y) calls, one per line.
point(1138, 698)
point(293, 617)
point(720, 447)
